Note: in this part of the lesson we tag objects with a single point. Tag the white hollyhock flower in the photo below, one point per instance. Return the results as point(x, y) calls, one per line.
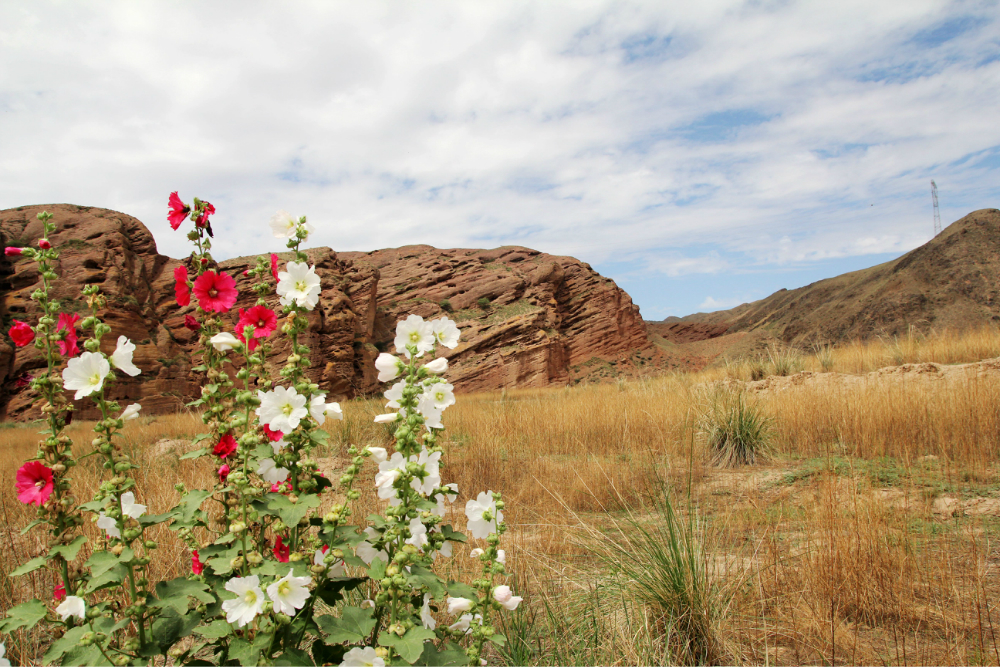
point(501, 556)
point(4, 662)
point(438, 366)
point(224, 341)
point(362, 657)
point(440, 395)
point(130, 508)
point(387, 418)
point(445, 550)
point(289, 593)
point(299, 285)
point(414, 331)
point(384, 481)
point(388, 366)
point(86, 374)
point(122, 357)
point(249, 600)
point(131, 412)
point(284, 226)
point(278, 445)
point(270, 473)
point(432, 466)
point(506, 598)
point(395, 394)
point(366, 550)
point(418, 534)
point(333, 411)
point(378, 454)
point(445, 332)
point(425, 613)
point(368, 604)
point(476, 553)
point(459, 605)
point(479, 526)
point(72, 606)
point(431, 413)
point(281, 409)
point(464, 623)
point(320, 409)
point(108, 525)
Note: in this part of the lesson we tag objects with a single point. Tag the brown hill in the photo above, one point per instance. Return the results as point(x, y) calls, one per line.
point(951, 282)
point(548, 320)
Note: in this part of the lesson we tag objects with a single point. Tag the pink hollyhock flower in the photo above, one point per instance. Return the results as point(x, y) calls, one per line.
point(196, 565)
point(216, 292)
point(246, 273)
point(67, 346)
point(224, 472)
point(281, 550)
point(191, 323)
point(261, 319)
point(225, 447)
point(60, 592)
point(13, 252)
point(206, 211)
point(277, 487)
point(34, 483)
point(178, 211)
point(274, 266)
point(21, 333)
point(44, 244)
point(273, 436)
point(181, 286)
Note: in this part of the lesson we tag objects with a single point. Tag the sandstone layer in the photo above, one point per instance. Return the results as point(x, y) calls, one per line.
point(528, 319)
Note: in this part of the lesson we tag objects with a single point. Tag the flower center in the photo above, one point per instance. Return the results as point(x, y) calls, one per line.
point(213, 292)
point(287, 409)
point(284, 588)
point(260, 324)
point(95, 379)
point(414, 336)
point(250, 597)
point(40, 484)
point(300, 286)
point(439, 396)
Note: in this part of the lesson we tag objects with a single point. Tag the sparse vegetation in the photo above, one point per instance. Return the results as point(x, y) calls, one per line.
point(446, 306)
point(483, 302)
point(735, 429)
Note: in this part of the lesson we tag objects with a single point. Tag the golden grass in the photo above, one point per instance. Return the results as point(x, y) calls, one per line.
point(833, 548)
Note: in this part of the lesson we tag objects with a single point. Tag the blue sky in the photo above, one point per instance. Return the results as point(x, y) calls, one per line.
point(701, 155)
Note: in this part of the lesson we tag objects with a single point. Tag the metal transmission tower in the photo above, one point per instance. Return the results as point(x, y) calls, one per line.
point(937, 211)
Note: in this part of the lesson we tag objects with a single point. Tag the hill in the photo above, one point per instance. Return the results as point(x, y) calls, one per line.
point(951, 282)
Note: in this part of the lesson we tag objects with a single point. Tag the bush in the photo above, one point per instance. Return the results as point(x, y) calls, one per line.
point(736, 430)
point(483, 302)
point(446, 306)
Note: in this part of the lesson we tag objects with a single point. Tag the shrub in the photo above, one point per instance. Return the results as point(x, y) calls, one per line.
point(446, 306)
point(483, 302)
point(736, 430)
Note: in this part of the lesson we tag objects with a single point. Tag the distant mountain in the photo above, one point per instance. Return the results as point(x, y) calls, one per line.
point(951, 282)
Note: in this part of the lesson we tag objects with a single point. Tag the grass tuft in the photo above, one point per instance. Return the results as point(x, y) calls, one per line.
point(735, 428)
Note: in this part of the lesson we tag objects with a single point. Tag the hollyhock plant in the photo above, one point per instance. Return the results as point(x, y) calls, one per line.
point(130, 508)
point(300, 285)
point(191, 323)
point(67, 346)
point(21, 333)
point(284, 226)
point(178, 211)
point(181, 290)
point(282, 409)
point(216, 292)
point(289, 593)
point(122, 357)
point(23, 380)
point(225, 447)
point(248, 603)
point(86, 374)
point(34, 483)
point(261, 320)
point(251, 342)
point(281, 550)
point(202, 219)
point(414, 332)
point(197, 567)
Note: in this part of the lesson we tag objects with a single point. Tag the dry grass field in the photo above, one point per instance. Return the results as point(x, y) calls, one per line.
point(866, 535)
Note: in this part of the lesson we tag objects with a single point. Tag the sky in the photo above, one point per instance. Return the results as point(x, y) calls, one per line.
point(700, 154)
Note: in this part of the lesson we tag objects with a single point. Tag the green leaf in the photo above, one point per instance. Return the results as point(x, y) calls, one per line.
point(353, 626)
point(190, 504)
point(377, 569)
point(293, 657)
point(499, 639)
point(69, 551)
point(126, 556)
point(328, 655)
point(453, 535)
point(420, 576)
point(319, 437)
point(64, 644)
point(84, 655)
point(24, 531)
point(330, 590)
point(193, 454)
point(214, 630)
point(459, 590)
point(263, 451)
point(94, 505)
point(112, 577)
point(153, 519)
point(171, 626)
point(452, 655)
point(409, 646)
point(23, 616)
point(201, 436)
point(247, 653)
point(100, 562)
point(291, 513)
point(30, 566)
point(174, 594)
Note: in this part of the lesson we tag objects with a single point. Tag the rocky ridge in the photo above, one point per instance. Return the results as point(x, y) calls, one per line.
point(527, 318)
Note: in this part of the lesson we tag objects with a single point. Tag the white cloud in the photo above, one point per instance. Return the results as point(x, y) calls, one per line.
point(569, 127)
point(710, 304)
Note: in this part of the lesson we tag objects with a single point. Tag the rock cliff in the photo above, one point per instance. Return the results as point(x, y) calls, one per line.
point(527, 318)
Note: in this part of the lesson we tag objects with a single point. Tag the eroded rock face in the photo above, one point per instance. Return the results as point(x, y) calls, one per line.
point(528, 319)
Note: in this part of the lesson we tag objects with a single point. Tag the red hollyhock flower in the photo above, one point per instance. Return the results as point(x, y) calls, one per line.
point(181, 290)
point(225, 447)
point(252, 344)
point(67, 346)
point(224, 472)
point(216, 292)
point(21, 333)
point(281, 550)
point(24, 380)
point(13, 252)
point(196, 564)
point(44, 244)
point(273, 436)
point(34, 483)
point(207, 210)
point(274, 266)
point(178, 211)
point(60, 592)
point(191, 323)
point(261, 319)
